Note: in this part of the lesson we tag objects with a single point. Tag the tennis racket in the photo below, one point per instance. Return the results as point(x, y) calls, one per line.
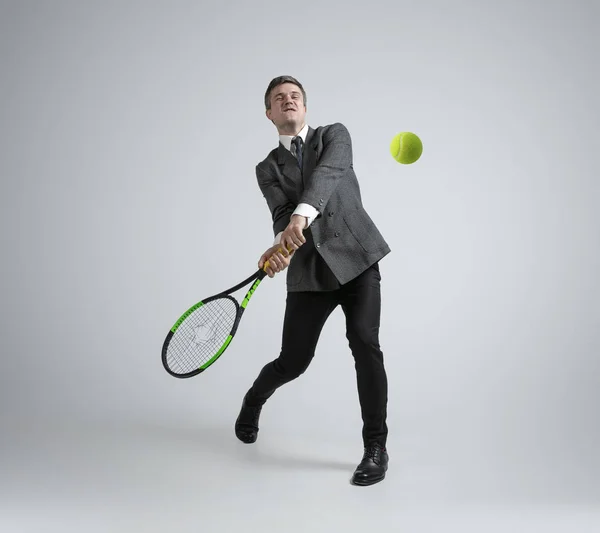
point(205, 330)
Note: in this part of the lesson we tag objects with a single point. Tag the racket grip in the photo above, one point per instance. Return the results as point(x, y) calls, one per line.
point(265, 266)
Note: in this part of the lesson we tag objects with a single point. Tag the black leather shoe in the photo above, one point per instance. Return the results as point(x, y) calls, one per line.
point(246, 425)
point(373, 466)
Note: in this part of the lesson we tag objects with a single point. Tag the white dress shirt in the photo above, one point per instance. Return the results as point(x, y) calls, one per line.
point(305, 210)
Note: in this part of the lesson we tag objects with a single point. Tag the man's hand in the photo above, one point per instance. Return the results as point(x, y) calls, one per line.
point(292, 237)
point(279, 259)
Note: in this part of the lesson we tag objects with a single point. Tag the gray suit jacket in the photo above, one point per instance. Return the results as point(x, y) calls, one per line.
point(342, 241)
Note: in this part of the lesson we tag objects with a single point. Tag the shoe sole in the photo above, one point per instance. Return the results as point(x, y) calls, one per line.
point(367, 483)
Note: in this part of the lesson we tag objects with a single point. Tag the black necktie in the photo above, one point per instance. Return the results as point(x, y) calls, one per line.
point(298, 144)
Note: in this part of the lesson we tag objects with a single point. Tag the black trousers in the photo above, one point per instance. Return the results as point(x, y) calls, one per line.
point(305, 316)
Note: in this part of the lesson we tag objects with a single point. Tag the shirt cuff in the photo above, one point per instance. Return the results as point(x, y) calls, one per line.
point(307, 211)
point(277, 239)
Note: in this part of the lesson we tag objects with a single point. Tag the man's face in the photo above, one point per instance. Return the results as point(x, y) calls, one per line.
point(287, 108)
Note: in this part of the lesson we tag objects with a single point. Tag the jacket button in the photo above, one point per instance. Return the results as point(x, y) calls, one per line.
point(330, 213)
point(337, 234)
point(318, 245)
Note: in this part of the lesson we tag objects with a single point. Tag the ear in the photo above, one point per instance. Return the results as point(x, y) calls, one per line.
point(268, 114)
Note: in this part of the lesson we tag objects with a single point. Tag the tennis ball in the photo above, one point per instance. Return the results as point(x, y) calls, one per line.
point(406, 148)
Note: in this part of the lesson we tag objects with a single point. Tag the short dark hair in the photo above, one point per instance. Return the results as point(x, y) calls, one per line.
point(279, 80)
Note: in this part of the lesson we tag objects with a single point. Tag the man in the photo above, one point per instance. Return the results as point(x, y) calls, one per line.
point(312, 192)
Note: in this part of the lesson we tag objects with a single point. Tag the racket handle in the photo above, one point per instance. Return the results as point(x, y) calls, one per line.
point(265, 266)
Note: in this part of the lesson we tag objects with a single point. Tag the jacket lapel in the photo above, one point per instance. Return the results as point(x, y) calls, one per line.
point(291, 175)
point(310, 155)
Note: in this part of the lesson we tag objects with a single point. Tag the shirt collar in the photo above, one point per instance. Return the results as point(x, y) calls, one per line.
point(286, 140)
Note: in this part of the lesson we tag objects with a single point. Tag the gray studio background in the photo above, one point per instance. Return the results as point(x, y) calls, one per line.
point(129, 134)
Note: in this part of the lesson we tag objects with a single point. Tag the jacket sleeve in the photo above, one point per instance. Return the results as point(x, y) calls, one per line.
point(279, 204)
point(334, 163)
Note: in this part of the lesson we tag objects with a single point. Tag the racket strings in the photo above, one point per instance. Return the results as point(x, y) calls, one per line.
point(201, 335)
